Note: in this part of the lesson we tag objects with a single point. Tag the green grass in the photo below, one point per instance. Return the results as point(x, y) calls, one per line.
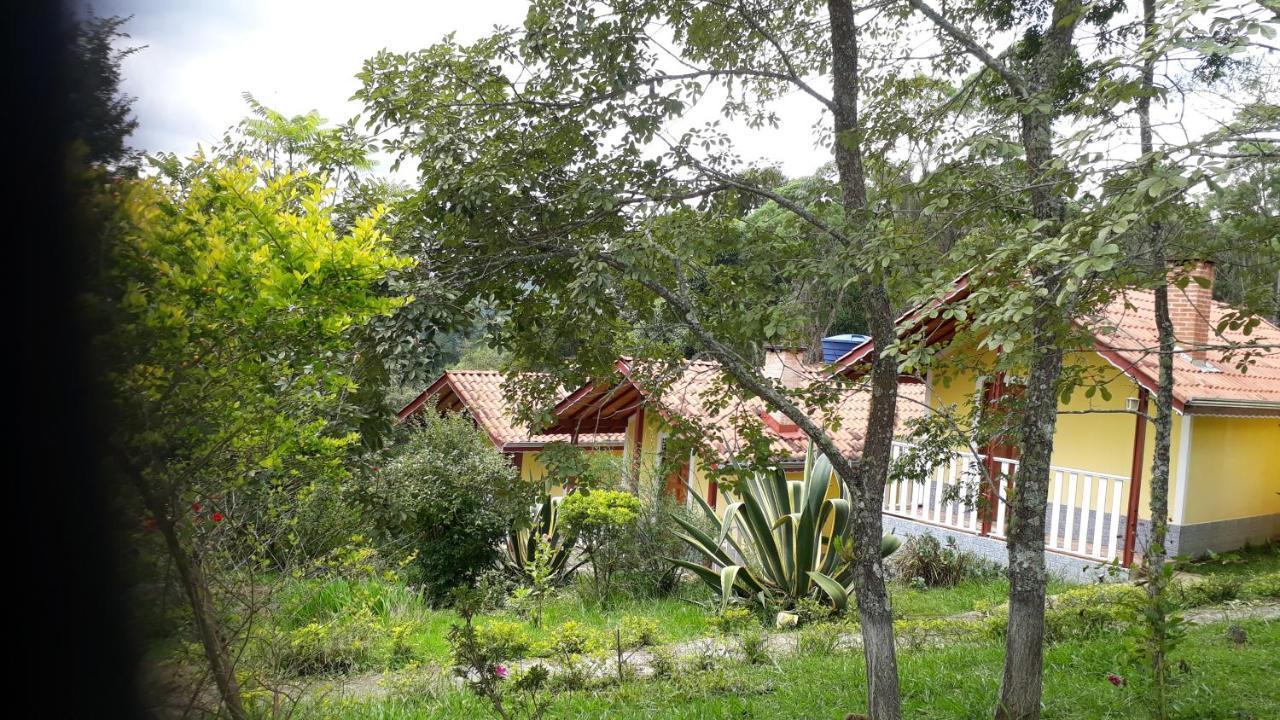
point(678, 620)
point(679, 617)
point(910, 602)
point(1221, 680)
point(1249, 561)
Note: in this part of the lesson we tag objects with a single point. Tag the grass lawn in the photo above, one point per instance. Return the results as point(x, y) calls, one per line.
point(1250, 561)
point(909, 602)
point(679, 617)
point(1221, 680)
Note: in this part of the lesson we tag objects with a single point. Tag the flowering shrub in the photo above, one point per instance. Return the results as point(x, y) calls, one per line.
point(479, 662)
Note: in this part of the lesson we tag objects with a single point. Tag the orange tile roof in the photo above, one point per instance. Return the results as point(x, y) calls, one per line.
point(1125, 331)
point(480, 392)
point(698, 395)
point(1125, 334)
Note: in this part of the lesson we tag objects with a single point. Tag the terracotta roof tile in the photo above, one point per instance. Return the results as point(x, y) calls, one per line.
point(695, 397)
point(482, 394)
point(1127, 327)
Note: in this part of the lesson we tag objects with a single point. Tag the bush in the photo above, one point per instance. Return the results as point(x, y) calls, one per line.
point(603, 521)
point(924, 560)
point(930, 631)
point(447, 493)
point(754, 644)
point(1209, 590)
point(340, 625)
point(1092, 611)
point(733, 620)
point(332, 648)
point(479, 663)
point(504, 639)
point(647, 570)
point(813, 611)
point(663, 662)
point(818, 639)
point(638, 631)
point(1266, 585)
point(573, 639)
point(1080, 613)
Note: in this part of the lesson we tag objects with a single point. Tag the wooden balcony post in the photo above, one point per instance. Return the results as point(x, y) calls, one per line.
point(991, 483)
point(1135, 478)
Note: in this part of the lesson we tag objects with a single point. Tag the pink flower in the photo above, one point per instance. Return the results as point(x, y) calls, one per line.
point(1115, 679)
point(501, 671)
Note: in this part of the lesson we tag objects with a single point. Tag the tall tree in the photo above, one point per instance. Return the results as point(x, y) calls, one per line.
point(1034, 74)
point(220, 325)
point(100, 115)
point(557, 182)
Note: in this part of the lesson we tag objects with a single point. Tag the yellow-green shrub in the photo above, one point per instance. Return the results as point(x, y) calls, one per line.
point(638, 631)
point(733, 620)
point(504, 639)
point(573, 639)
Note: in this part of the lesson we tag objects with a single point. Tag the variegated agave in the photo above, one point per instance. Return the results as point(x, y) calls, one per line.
point(529, 532)
point(779, 540)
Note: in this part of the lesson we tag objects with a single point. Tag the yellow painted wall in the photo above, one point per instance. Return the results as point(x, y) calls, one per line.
point(1234, 468)
point(654, 428)
point(1091, 434)
point(533, 470)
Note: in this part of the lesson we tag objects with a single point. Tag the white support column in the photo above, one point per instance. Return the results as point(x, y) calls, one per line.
point(1180, 484)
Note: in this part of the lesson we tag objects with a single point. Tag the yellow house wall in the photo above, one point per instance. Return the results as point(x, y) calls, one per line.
point(533, 470)
point(1091, 434)
point(1234, 468)
point(654, 428)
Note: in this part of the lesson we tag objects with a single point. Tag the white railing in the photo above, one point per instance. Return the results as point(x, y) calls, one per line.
point(1082, 517)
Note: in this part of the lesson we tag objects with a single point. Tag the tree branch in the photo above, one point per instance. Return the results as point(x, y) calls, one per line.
point(1015, 81)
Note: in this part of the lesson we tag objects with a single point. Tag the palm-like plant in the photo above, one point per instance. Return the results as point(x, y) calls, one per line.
point(529, 533)
point(788, 540)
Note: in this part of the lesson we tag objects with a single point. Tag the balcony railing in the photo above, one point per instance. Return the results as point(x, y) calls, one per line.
point(1083, 516)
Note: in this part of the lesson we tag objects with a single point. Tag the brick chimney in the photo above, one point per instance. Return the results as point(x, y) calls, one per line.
point(787, 366)
point(1189, 308)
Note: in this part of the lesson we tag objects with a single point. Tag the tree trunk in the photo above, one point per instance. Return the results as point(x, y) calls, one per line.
point(874, 609)
point(1154, 555)
point(207, 625)
point(883, 701)
point(1022, 683)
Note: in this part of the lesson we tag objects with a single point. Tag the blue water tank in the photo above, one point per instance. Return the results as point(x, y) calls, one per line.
point(835, 346)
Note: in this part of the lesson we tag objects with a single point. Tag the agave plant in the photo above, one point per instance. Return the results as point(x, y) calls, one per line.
point(779, 541)
point(529, 533)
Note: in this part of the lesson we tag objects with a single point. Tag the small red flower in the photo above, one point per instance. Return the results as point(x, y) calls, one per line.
point(149, 524)
point(217, 517)
point(195, 507)
point(376, 468)
point(1115, 679)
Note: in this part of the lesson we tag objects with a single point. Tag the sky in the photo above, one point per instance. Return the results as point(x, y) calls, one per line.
point(296, 56)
